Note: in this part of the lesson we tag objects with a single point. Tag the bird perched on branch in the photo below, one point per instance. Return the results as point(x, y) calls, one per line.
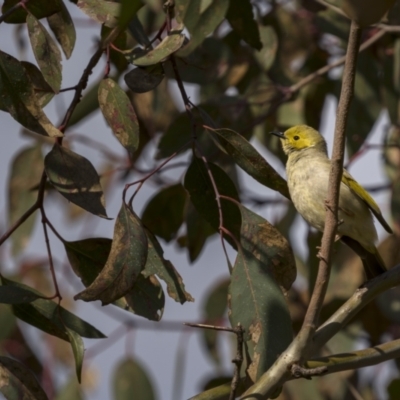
point(307, 169)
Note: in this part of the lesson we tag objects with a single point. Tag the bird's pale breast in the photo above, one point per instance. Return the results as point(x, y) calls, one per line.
point(308, 178)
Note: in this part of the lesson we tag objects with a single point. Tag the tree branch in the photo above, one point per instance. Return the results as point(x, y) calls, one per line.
point(359, 300)
point(357, 359)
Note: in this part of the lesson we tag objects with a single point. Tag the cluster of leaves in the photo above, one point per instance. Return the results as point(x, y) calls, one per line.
point(248, 62)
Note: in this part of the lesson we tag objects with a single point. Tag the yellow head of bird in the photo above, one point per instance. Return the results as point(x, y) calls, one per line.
point(301, 137)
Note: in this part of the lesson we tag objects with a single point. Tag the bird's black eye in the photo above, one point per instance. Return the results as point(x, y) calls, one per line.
point(296, 137)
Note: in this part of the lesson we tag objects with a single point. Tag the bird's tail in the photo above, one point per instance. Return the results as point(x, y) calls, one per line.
point(372, 262)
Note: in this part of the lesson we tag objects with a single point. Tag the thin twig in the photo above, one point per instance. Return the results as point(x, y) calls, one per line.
point(211, 327)
point(352, 307)
point(238, 361)
point(287, 93)
point(80, 87)
point(332, 7)
point(141, 181)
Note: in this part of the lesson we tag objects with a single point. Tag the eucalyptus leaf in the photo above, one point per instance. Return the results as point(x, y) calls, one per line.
point(144, 79)
point(63, 28)
point(119, 113)
point(169, 45)
point(46, 52)
point(19, 382)
point(250, 160)
point(38, 8)
point(74, 177)
point(50, 317)
point(125, 262)
point(18, 98)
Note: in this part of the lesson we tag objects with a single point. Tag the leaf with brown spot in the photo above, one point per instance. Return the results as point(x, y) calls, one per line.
point(104, 12)
point(257, 302)
point(146, 298)
point(88, 258)
point(43, 91)
point(126, 260)
point(63, 28)
point(47, 54)
point(267, 244)
point(119, 113)
point(76, 179)
point(169, 45)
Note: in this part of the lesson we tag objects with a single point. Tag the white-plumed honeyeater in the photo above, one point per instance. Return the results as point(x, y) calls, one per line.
point(307, 169)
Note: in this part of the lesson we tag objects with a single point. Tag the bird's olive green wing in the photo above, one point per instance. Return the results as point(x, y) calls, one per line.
point(356, 188)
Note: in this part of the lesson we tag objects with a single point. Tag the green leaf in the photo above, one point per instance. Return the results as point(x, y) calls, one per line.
point(266, 56)
point(119, 113)
point(126, 260)
point(250, 160)
point(20, 194)
point(88, 257)
point(76, 179)
point(197, 232)
point(129, 8)
point(78, 350)
point(16, 295)
point(49, 317)
point(240, 17)
point(169, 45)
point(156, 264)
point(63, 28)
point(267, 244)
point(104, 12)
point(201, 190)
point(18, 382)
point(144, 79)
point(132, 381)
point(214, 309)
point(47, 54)
point(257, 303)
point(39, 8)
point(147, 298)
point(19, 99)
point(200, 18)
point(163, 214)
point(43, 91)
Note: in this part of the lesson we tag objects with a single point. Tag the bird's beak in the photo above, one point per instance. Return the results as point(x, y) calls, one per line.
point(279, 134)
